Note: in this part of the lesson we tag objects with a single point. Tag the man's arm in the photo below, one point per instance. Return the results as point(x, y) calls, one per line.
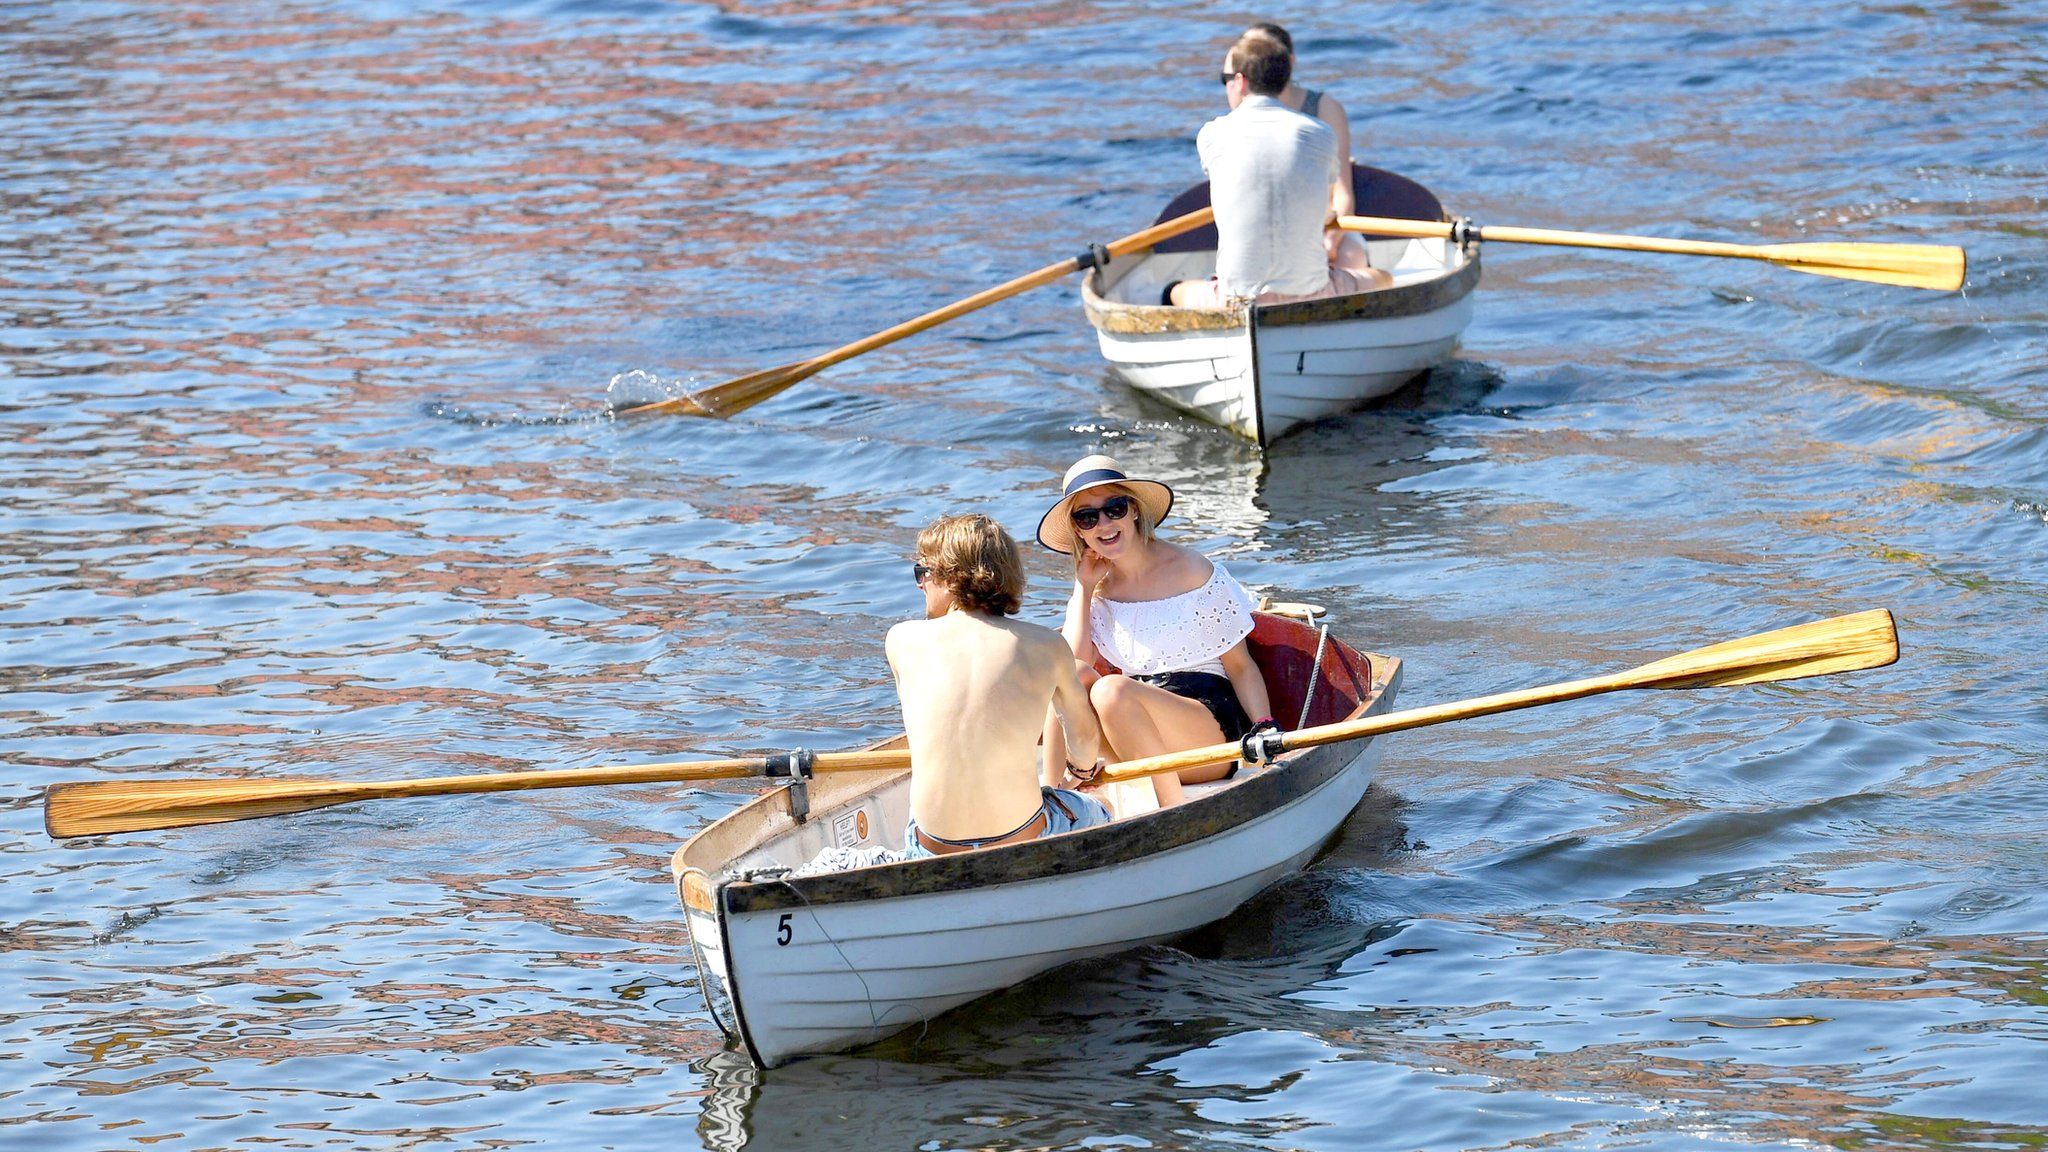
point(1342, 200)
point(1077, 720)
point(889, 649)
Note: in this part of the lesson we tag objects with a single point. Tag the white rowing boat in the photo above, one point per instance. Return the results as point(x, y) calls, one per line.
point(1262, 371)
point(795, 965)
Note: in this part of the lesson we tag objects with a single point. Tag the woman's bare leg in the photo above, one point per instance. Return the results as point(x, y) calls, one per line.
point(1141, 720)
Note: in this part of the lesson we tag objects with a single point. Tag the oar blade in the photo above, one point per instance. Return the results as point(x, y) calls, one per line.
point(1938, 267)
point(739, 395)
point(1840, 644)
point(684, 405)
point(101, 808)
point(722, 400)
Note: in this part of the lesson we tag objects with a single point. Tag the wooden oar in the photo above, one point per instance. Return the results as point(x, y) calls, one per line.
point(1840, 644)
point(1937, 266)
point(1843, 644)
point(102, 807)
point(723, 400)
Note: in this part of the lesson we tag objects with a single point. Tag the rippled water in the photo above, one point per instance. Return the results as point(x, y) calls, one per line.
point(311, 311)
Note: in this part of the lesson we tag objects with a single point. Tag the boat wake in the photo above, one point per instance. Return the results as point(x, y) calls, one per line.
point(625, 390)
point(462, 414)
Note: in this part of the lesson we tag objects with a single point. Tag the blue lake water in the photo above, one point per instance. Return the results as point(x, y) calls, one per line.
point(308, 315)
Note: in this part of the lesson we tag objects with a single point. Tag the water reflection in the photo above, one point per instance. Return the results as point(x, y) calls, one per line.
point(1328, 481)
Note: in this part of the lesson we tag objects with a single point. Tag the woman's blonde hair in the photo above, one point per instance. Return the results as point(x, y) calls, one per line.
point(1136, 518)
point(977, 560)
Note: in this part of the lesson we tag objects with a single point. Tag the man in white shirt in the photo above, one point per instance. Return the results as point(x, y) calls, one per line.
point(1270, 171)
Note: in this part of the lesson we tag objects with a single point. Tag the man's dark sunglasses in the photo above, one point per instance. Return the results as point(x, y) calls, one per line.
point(1115, 508)
point(1226, 78)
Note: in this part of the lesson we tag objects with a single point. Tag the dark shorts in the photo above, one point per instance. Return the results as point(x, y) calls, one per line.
point(1210, 691)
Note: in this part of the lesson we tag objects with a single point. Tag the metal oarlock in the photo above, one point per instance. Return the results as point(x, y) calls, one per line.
point(797, 766)
point(1262, 746)
point(1464, 233)
point(1096, 256)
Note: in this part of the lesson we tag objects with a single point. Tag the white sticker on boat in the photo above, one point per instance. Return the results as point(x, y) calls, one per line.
point(849, 828)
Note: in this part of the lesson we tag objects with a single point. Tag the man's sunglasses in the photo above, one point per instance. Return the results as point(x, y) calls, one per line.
point(1226, 78)
point(1114, 508)
point(920, 573)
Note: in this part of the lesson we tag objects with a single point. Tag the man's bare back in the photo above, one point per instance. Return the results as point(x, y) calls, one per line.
point(975, 686)
point(974, 689)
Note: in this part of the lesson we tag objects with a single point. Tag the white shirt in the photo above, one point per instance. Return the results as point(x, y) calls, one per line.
point(1185, 633)
point(1270, 171)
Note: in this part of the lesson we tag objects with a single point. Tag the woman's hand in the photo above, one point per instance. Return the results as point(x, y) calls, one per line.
point(1083, 777)
point(1091, 569)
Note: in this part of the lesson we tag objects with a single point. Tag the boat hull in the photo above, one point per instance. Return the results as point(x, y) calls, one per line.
point(1263, 385)
point(854, 974)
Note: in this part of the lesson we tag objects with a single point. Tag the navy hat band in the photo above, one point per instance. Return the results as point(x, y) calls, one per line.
point(1094, 476)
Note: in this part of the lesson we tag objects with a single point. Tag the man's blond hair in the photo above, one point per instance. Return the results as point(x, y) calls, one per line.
point(977, 560)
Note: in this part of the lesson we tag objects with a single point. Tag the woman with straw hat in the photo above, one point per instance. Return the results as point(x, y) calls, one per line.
point(1171, 621)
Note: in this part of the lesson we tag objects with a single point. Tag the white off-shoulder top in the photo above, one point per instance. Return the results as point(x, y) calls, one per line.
point(1185, 633)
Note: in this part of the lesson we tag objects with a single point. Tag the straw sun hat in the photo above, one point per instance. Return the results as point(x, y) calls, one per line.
point(1056, 530)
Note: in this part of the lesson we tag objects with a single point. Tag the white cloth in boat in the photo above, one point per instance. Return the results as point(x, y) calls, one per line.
point(847, 859)
point(1270, 169)
point(1185, 633)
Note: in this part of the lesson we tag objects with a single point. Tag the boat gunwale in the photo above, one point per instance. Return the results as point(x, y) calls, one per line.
point(1417, 298)
point(1150, 834)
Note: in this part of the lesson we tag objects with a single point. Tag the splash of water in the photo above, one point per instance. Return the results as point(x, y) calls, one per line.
point(635, 387)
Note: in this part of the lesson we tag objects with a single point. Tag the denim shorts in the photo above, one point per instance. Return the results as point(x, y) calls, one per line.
point(1065, 810)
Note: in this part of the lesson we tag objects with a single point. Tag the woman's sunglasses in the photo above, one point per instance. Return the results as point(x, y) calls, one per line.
point(920, 573)
point(1114, 508)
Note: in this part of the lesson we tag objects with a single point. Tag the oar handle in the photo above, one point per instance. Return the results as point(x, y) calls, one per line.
point(1165, 230)
point(1388, 226)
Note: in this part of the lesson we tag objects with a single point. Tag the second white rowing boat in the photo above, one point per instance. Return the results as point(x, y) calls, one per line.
point(1264, 370)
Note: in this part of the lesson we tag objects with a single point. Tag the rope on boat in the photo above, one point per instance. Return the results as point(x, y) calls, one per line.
point(874, 1021)
point(1308, 698)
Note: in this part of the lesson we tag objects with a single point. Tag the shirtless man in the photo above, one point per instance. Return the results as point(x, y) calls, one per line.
point(1271, 171)
point(974, 686)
